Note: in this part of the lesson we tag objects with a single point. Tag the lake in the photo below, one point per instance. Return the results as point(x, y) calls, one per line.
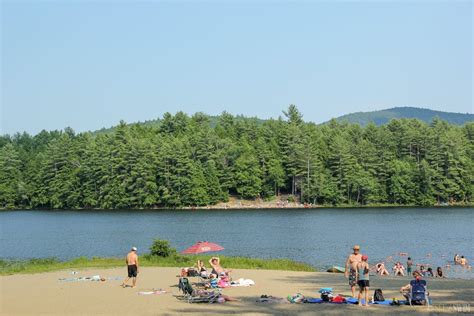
point(320, 237)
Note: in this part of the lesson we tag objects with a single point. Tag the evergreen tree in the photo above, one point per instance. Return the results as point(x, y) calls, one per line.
point(12, 191)
point(191, 161)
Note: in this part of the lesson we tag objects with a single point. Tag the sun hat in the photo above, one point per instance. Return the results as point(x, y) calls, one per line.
point(134, 248)
point(365, 257)
point(356, 247)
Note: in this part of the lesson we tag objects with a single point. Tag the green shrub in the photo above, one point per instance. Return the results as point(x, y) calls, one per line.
point(162, 248)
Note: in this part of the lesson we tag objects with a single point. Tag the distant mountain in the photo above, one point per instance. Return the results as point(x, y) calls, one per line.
point(363, 118)
point(384, 116)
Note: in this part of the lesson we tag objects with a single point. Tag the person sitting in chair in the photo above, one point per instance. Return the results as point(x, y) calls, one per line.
point(415, 292)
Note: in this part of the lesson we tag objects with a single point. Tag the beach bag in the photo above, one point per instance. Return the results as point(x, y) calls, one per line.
point(327, 296)
point(223, 283)
point(338, 299)
point(378, 296)
point(213, 283)
point(185, 286)
point(298, 298)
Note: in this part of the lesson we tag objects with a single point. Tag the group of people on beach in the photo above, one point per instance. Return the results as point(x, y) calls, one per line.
point(217, 277)
point(217, 273)
point(357, 271)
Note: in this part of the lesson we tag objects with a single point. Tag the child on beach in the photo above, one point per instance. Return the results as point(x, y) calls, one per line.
point(409, 265)
point(362, 276)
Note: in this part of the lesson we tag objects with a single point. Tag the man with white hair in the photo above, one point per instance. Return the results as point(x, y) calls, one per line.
point(132, 266)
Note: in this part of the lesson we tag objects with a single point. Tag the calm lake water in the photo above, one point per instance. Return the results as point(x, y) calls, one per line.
point(320, 237)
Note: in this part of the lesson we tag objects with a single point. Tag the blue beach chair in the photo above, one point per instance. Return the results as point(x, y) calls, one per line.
point(418, 294)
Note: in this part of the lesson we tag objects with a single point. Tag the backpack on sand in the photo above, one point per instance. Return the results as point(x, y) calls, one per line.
point(378, 296)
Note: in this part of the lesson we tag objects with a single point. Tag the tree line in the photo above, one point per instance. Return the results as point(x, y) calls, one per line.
point(198, 160)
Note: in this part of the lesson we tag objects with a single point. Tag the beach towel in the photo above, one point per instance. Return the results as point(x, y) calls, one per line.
point(353, 300)
point(115, 278)
point(271, 299)
point(314, 300)
point(154, 292)
point(242, 282)
point(320, 301)
point(297, 298)
point(79, 279)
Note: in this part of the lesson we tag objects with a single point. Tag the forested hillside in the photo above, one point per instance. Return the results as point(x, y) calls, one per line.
point(384, 116)
point(187, 161)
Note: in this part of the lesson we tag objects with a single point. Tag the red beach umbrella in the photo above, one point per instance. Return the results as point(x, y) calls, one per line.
point(202, 246)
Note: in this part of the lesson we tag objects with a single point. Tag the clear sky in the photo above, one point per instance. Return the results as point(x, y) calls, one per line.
point(89, 64)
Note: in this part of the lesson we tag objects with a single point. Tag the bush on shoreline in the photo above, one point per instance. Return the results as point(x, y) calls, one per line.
point(9, 267)
point(162, 248)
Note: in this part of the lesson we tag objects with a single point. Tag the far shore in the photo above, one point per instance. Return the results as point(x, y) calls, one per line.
point(45, 293)
point(262, 205)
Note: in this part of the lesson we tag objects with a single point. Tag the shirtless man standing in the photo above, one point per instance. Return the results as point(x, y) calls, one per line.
point(351, 268)
point(132, 265)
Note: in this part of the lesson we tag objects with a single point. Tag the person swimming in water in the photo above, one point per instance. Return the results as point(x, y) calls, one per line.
point(456, 258)
point(429, 272)
point(439, 273)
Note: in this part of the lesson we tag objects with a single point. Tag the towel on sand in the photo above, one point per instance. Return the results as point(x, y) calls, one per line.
point(154, 292)
point(242, 282)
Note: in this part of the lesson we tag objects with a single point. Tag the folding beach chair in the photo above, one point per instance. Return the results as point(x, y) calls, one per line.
point(418, 294)
point(204, 297)
point(196, 296)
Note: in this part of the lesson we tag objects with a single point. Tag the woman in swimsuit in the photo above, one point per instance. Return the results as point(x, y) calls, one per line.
point(217, 269)
point(399, 269)
point(202, 269)
point(439, 273)
point(381, 269)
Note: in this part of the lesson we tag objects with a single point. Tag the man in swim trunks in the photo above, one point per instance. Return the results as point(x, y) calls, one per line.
point(351, 267)
point(132, 267)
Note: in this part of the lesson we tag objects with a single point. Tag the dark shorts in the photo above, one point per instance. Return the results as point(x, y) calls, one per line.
point(132, 271)
point(363, 283)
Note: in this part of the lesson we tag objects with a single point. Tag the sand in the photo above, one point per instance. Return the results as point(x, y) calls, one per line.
point(44, 294)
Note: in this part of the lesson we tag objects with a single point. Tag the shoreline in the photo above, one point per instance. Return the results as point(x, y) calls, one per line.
point(43, 265)
point(236, 203)
point(245, 207)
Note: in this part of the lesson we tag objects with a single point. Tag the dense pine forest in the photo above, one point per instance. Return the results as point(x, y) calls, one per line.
point(191, 161)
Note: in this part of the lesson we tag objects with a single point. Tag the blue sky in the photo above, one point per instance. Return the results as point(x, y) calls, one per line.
point(89, 64)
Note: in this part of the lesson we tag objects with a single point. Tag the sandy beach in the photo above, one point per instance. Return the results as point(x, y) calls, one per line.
point(44, 294)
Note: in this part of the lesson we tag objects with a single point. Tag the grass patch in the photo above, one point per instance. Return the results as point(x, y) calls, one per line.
point(9, 267)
